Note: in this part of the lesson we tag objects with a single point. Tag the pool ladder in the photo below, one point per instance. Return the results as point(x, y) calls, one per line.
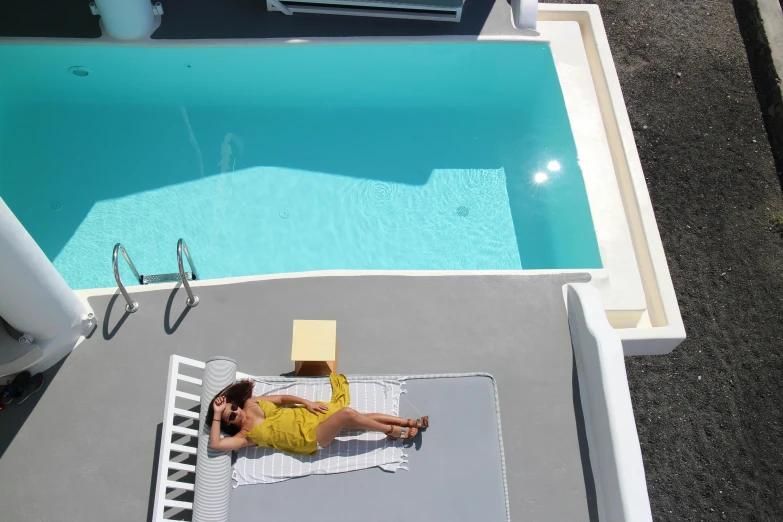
point(183, 276)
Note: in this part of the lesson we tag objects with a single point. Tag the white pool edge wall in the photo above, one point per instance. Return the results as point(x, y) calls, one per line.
point(639, 295)
point(612, 440)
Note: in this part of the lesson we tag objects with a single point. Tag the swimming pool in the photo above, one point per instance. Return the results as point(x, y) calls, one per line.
point(290, 158)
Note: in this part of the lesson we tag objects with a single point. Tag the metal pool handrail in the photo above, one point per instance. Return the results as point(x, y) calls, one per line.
point(181, 246)
point(131, 305)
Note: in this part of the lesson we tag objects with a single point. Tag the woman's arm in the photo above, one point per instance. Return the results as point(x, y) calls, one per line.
point(226, 443)
point(282, 400)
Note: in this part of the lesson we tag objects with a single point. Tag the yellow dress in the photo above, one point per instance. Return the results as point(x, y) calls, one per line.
point(292, 429)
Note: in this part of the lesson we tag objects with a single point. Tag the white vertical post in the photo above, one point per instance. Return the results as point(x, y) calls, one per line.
point(35, 299)
point(525, 13)
point(126, 19)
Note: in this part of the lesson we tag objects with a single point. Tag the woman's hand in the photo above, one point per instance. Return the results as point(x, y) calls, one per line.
point(219, 405)
point(316, 407)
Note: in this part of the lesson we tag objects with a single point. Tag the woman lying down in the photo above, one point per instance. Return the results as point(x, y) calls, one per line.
point(304, 428)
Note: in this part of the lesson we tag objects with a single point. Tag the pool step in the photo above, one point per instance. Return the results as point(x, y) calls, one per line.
point(164, 278)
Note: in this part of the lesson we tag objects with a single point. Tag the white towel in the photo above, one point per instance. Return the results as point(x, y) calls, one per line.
point(351, 451)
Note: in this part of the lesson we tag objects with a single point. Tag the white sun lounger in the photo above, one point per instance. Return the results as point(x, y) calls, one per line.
point(457, 469)
point(524, 12)
point(436, 10)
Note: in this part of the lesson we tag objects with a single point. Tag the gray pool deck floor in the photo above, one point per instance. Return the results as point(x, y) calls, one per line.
point(85, 447)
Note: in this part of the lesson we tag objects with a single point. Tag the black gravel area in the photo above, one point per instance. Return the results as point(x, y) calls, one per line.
point(709, 414)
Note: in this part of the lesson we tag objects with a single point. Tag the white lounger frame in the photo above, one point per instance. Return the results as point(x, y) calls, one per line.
point(172, 453)
point(176, 478)
point(372, 9)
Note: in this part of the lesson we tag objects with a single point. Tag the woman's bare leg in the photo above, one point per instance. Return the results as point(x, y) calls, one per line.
point(389, 419)
point(350, 419)
point(420, 423)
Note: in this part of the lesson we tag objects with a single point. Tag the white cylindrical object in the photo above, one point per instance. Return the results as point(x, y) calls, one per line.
point(126, 19)
point(525, 13)
point(35, 298)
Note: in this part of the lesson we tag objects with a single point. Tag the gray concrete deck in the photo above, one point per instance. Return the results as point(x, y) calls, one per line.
point(85, 447)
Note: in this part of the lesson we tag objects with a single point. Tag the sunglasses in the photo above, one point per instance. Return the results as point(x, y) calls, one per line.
point(232, 416)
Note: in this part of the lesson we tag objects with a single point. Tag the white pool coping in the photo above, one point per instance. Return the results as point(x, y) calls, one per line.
point(661, 328)
point(634, 283)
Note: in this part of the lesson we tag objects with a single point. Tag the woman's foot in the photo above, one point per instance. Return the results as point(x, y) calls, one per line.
point(402, 432)
point(421, 423)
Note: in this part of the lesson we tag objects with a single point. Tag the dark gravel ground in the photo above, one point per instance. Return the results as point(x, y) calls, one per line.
point(712, 447)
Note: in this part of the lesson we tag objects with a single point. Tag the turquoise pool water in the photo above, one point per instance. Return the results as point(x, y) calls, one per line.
point(293, 158)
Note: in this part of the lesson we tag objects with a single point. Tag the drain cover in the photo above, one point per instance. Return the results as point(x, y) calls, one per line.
point(463, 211)
point(78, 70)
point(283, 214)
point(56, 205)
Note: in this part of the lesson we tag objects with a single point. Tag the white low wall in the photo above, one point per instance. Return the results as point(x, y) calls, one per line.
point(615, 455)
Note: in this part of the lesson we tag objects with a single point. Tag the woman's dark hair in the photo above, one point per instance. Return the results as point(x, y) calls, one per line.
point(237, 393)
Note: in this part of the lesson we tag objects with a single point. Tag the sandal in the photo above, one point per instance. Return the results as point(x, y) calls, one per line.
point(421, 423)
point(405, 432)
